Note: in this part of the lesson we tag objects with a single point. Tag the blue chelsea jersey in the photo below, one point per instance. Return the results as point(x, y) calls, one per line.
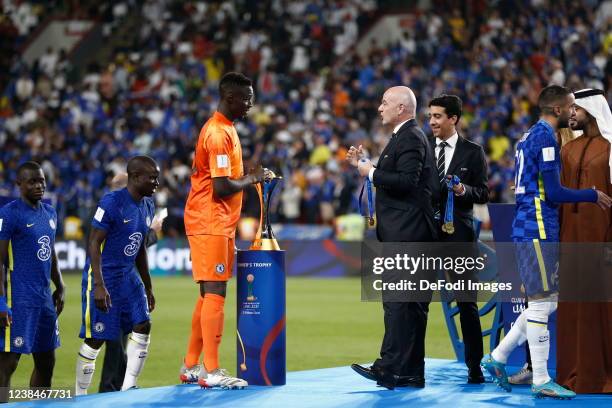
point(31, 236)
point(535, 216)
point(126, 223)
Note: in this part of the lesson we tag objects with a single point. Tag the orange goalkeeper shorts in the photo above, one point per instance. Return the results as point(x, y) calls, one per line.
point(212, 257)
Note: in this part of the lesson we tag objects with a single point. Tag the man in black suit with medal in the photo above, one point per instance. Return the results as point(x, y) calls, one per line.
point(403, 179)
point(456, 156)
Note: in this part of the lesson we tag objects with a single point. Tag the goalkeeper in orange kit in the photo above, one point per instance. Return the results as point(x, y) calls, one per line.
point(211, 215)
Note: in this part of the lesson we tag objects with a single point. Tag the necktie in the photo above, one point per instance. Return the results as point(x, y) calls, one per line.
point(441, 162)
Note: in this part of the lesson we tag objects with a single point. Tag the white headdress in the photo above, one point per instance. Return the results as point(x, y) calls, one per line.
point(594, 102)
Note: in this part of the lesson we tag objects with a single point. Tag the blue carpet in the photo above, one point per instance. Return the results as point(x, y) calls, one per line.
point(333, 387)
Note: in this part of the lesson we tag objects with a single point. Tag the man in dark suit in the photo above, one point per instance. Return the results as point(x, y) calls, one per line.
point(404, 212)
point(465, 159)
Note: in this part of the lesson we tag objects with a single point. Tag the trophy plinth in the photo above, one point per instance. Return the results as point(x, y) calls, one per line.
point(261, 290)
point(265, 239)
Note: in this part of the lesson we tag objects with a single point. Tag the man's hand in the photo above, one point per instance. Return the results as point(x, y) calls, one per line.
point(260, 174)
point(58, 300)
point(102, 298)
point(6, 319)
point(150, 299)
point(364, 166)
point(354, 155)
point(458, 189)
point(257, 175)
point(603, 200)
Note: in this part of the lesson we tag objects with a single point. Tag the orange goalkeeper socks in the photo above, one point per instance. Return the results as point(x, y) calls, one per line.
point(194, 348)
point(211, 320)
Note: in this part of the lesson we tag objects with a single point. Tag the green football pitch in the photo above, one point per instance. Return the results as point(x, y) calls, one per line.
point(327, 326)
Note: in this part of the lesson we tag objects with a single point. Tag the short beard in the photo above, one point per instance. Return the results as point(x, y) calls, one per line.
point(577, 126)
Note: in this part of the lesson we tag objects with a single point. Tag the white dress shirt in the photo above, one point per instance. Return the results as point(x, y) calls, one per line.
point(448, 155)
point(398, 127)
point(449, 150)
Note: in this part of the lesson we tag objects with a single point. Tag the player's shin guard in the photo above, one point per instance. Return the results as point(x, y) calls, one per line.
point(137, 351)
point(539, 337)
point(85, 367)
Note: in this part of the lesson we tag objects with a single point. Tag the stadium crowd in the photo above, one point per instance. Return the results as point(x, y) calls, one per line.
point(315, 96)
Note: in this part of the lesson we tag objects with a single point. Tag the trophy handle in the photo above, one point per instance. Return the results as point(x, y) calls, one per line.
point(264, 238)
point(268, 190)
point(261, 210)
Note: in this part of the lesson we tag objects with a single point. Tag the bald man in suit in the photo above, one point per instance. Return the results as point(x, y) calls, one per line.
point(403, 178)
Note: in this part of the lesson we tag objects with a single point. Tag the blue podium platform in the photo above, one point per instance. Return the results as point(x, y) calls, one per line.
point(333, 387)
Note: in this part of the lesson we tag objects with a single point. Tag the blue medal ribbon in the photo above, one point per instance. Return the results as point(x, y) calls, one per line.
point(448, 225)
point(367, 185)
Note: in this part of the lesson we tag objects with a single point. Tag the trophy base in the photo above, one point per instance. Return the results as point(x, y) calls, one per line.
point(265, 244)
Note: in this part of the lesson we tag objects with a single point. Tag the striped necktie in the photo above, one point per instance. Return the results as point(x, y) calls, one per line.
point(441, 162)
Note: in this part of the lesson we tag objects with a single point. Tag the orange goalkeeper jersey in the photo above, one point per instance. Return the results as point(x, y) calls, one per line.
point(218, 154)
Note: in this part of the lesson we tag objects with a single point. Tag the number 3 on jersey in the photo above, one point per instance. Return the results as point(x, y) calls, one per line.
point(519, 165)
point(132, 248)
point(44, 253)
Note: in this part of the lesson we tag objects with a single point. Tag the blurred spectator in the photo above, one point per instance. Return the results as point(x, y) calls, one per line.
point(291, 198)
point(315, 95)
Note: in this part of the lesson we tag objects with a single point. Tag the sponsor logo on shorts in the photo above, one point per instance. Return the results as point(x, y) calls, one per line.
point(220, 268)
point(99, 327)
point(18, 342)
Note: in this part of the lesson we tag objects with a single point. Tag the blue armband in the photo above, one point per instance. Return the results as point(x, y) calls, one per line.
point(555, 192)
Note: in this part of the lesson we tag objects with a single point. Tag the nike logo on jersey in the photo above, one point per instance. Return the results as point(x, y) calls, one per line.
point(29, 225)
point(126, 221)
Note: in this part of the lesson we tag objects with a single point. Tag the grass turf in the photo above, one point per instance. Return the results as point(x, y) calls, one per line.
point(327, 326)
